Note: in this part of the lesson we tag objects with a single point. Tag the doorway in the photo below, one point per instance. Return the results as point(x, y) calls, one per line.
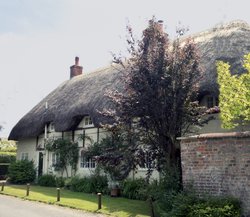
point(40, 164)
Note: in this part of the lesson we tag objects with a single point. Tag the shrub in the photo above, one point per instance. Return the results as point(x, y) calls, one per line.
point(216, 207)
point(92, 184)
point(186, 204)
point(134, 189)
point(60, 182)
point(204, 210)
point(47, 180)
point(21, 172)
point(3, 171)
point(7, 157)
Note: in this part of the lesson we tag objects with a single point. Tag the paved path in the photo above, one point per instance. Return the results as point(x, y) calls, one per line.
point(15, 207)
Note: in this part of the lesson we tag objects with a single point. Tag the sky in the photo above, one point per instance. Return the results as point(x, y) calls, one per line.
point(39, 39)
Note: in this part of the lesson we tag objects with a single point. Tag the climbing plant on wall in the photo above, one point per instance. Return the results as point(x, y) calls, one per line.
point(67, 154)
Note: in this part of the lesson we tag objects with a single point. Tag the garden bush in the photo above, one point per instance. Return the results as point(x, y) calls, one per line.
point(7, 157)
point(21, 172)
point(135, 189)
point(60, 182)
point(47, 180)
point(187, 204)
point(91, 184)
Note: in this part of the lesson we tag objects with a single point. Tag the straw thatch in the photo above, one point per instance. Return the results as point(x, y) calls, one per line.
point(84, 94)
point(69, 103)
point(229, 43)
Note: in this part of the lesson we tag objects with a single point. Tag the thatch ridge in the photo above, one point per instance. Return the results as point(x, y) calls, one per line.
point(84, 94)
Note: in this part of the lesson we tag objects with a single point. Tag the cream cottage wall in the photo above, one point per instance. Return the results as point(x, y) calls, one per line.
point(35, 147)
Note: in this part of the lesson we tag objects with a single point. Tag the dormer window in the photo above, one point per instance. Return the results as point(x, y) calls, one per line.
point(209, 101)
point(52, 127)
point(87, 121)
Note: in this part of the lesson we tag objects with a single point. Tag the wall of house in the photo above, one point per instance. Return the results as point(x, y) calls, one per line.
point(34, 146)
point(218, 164)
point(28, 146)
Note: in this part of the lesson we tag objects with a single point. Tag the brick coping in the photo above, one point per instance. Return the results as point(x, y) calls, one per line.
point(217, 135)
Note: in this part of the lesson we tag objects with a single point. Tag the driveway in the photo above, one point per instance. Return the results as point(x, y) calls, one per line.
point(13, 207)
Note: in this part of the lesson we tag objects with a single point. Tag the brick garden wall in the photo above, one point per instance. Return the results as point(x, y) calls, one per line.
point(218, 164)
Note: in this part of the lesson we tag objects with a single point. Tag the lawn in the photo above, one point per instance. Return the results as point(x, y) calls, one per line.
point(120, 207)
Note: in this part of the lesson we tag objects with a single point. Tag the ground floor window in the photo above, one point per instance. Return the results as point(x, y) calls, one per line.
point(55, 159)
point(87, 162)
point(147, 162)
point(24, 156)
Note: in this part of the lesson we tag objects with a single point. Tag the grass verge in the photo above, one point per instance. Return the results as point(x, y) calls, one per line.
point(120, 207)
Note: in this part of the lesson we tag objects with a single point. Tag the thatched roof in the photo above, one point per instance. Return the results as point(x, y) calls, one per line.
point(229, 43)
point(69, 103)
point(84, 94)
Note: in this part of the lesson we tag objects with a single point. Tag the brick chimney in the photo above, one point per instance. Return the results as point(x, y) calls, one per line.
point(75, 69)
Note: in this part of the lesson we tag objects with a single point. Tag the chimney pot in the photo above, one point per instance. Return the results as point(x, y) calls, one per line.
point(75, 70)
point(77, 61)
point(160, 25)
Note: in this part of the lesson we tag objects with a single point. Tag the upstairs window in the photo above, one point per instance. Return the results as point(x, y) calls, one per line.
point(87, 121)
point(52, 127)
point(212, 101)
point(209, 101)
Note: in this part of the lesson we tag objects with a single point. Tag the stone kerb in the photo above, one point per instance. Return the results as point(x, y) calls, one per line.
point(218, 164)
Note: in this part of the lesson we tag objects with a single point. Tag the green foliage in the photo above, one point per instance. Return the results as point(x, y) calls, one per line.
point(187, 204)
point(47, 180)
point(234, 95)
point(157, 104)
point(60, 182)
point(7, 146)
point(134, 189)
point(212, 210)
point(7, 157)
point(3, 171)
point(113, 150)
point(67, 151)
point(92, 184)
point(21, 172)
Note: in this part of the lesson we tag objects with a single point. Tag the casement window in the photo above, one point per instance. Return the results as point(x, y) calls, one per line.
point(87, 162)
point(52, 127)
point(87, 121)
point(55, 159)
point(24, 156)
point(212, 101)
point(147, 163)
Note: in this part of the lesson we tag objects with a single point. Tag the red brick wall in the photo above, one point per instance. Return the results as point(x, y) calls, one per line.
point(218, 164)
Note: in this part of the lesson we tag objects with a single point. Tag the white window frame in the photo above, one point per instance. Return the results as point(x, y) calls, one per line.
point(87, 122)
point(52, 127)
point(55, 159)
point(24, 156)
point(147, 163)
point(88, 163)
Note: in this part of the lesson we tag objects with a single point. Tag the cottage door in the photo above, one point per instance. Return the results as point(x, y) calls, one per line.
point(40, 164)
